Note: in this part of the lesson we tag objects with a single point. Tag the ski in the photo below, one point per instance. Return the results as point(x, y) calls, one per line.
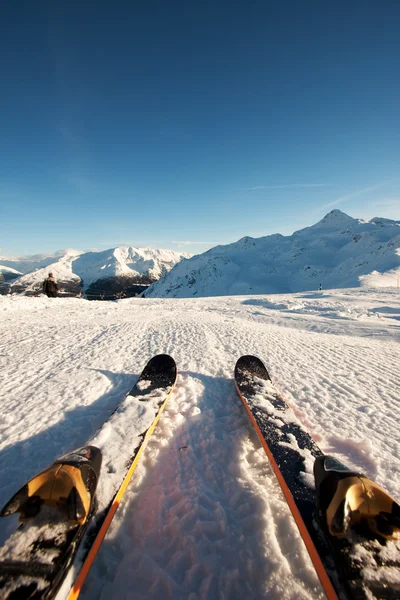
point(66, 509)
point(347, 522)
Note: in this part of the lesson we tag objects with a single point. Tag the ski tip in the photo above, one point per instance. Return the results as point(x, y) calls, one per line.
point(161, 371)
point(251, 364)
point(162, 362)
point(164, 357)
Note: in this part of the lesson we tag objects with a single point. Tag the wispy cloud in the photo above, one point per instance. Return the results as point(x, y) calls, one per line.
point(135, 244)
point(355, 194)
point(81, 183)
point(392, 202)
point(190, 243)
point(285, 186)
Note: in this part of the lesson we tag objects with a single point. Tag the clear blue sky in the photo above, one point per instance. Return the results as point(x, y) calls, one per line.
point(182, 124)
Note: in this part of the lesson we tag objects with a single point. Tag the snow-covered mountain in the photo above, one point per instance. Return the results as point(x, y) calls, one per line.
point(8, 274)
point(27, 264)
point(338, 251)
point(97, 273)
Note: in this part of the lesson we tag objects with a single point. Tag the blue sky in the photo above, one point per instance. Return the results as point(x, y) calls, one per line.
point(182, 125)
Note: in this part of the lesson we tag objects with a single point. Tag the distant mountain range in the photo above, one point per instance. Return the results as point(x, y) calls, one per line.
point(98, 274)
point(337, 252)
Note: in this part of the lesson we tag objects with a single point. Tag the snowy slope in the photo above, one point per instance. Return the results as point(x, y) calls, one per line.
point(73, 267)
point(338, 251)
point(203, 517)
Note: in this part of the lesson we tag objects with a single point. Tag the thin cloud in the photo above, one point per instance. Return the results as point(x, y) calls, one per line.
point(355, 194)
point(82, 184)
point(137, 244)
point(393, 202)
point(189, 243)
point(285, 186)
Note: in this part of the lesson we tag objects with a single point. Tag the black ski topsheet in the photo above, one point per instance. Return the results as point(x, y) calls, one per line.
point(36, 558)
point(354, 568)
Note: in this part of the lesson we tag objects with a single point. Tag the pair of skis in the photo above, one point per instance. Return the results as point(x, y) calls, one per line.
point(346, 521)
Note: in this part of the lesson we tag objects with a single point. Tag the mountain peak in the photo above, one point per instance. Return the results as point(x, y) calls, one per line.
point(335, 212)
point(336, 215)
point(335, 218)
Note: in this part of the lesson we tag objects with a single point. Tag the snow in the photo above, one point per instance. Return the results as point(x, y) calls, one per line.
point(338, 251)
point(203, 516)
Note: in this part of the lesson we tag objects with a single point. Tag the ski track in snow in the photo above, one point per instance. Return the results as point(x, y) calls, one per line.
point(203, 516)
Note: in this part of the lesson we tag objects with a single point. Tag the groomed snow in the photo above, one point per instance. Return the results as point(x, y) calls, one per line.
point(203, 517)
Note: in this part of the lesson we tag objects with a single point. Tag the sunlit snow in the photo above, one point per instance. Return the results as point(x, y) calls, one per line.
point(203, 517)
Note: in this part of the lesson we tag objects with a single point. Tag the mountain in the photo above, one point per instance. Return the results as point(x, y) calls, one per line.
point(338, 251)
point(27, 264)
point(8, 274)
point(98, 274)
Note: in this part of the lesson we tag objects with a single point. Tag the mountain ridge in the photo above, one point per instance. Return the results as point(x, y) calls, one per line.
point(94, 272)
point(338, 251)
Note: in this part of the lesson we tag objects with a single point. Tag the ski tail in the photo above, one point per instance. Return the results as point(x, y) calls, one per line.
point(159, 373)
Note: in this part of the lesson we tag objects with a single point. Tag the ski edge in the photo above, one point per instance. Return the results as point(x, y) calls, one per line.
point(312, 551)
point(87, 563)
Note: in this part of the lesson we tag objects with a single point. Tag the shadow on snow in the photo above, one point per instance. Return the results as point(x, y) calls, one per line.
point(191, 524)
point(20, 461)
